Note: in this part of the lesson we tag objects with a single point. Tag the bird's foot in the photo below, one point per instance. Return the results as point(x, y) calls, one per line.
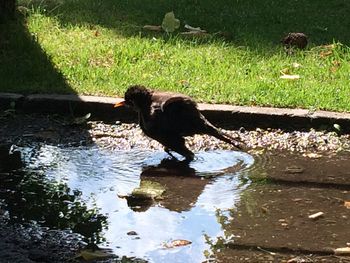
point(189, 158)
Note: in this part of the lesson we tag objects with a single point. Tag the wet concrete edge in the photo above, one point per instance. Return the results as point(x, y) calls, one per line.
point(226, 116)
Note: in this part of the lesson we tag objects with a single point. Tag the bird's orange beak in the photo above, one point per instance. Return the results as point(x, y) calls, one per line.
point(119, 104)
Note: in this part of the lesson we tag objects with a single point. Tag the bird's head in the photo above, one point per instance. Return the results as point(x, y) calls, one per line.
point(136, 97)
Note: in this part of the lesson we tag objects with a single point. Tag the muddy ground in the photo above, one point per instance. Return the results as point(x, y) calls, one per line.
point(270, 225)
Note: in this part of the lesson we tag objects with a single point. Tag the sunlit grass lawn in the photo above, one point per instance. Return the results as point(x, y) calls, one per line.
point(100, 48)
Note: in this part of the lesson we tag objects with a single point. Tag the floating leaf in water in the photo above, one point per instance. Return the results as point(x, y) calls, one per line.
point(170, 23)
point(178, 243)
point(148, 190)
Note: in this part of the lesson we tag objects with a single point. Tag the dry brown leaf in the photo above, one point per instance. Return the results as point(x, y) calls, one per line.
point(177, 243)
point(327, 53)
point(331, 46)
point(285, 71)
point(347, 204)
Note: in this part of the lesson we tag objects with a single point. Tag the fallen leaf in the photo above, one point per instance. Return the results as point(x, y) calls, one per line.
point(170, 23)
point(148, 190)
point(312, 155)
point(327, 53)
point(331, 46)
point(285, 71)
point(342, 251)
point(191, 28)
point(291, 77)
point(152, 28)
point(347, 204)
point(316, 215)
point(177, 243)
point(336, 63)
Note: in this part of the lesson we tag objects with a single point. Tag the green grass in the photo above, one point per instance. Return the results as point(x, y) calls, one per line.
point(98, 47)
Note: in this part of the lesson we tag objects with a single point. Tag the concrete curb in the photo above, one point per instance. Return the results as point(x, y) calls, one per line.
point(228, 116)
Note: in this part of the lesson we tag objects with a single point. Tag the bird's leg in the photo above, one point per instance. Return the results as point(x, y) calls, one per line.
point(184, 151)
point(167, 150)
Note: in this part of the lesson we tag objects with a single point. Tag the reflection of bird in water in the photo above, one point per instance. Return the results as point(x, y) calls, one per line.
point(167, 117)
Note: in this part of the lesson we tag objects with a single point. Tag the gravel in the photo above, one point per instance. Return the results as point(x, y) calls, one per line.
point(127, 136)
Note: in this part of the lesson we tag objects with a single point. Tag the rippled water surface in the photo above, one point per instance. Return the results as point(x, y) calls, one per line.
point(196, 202)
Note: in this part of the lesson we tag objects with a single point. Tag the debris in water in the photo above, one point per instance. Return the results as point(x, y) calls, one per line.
point(178, 243)
point(148, 190)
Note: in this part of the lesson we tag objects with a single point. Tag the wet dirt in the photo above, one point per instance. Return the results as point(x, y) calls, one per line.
point(211, 203)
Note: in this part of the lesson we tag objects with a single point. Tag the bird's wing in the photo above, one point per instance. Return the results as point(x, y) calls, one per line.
point(179, 114)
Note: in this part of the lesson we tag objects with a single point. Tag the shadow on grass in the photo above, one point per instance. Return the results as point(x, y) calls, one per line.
point(24, 64)
point(251, 22)
point(24, 67)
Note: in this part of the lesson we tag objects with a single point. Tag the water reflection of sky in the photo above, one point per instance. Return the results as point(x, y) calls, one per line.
point(103, 175)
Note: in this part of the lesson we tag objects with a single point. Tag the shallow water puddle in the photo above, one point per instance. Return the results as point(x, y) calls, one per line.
point(197, 199)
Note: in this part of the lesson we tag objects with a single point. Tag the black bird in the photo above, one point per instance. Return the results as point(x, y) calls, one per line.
point(167, 117)
point(297, 40)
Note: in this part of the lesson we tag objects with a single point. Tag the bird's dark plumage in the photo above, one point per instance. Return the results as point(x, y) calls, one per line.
point(297, 40)
point(167, 117)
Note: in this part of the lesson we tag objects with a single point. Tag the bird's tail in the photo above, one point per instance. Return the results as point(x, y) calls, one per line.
point(213, 131)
